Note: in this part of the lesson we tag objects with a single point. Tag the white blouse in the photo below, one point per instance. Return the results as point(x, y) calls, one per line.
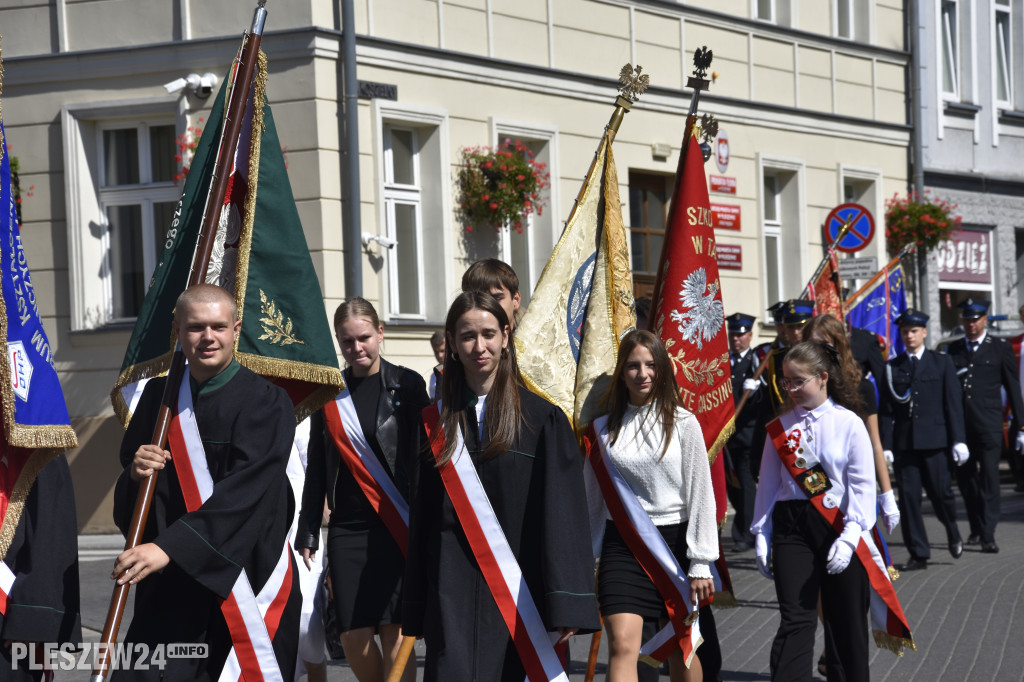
point(841, 443)
point(672, 489)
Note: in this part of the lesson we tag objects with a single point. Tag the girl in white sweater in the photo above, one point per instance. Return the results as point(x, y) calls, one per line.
point(658, 449)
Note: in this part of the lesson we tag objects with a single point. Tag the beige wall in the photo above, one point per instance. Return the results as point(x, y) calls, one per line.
point(798, 95)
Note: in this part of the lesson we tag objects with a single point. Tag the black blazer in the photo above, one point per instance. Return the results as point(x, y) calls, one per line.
point(402, 399)
point(866, 351)
point(934, 416)
point(746, 421)
point(992, 367)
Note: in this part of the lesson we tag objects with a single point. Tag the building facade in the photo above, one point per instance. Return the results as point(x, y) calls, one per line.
point(811, 97)
point(971, 126)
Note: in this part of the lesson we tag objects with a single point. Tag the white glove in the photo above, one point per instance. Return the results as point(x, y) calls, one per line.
point(1020, 441)
point(839, 556)
point(887, 454)
point(761, 552)
point(754, 384)
point(890, 512)
point(961, 454)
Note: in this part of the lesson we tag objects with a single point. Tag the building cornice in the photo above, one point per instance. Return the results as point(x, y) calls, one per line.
point(973, 182)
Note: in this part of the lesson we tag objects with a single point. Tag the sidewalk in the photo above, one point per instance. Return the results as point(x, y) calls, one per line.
point(966, 615)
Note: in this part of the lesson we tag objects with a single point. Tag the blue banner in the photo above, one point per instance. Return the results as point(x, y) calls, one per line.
point(877, 308)
point(39, 418)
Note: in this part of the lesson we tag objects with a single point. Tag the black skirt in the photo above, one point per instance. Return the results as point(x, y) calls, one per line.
point(622, 584)
point(366, 567)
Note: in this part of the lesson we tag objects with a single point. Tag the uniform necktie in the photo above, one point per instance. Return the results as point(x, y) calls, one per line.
point(913, 366)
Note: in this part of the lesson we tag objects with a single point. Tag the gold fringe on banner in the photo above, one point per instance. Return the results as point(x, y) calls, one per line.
point(157, 367)
point(883, 640)
point(36, 461)
point(249, 221)
point(725, 600)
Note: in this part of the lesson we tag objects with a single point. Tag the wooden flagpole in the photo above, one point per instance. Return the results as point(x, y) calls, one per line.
point(238, 95)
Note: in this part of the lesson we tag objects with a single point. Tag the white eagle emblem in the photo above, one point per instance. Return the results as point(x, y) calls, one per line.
point(702, 317)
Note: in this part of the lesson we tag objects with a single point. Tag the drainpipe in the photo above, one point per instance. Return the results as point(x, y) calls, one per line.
point(351, 215)
point(915, 118)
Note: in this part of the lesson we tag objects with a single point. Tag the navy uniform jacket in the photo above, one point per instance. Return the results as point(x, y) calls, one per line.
point(992, 366)
point(933, 418)
point(866, 351)
point(746, 421)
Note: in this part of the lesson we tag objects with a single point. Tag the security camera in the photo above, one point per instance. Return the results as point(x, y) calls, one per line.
point(386, 242)
point(201, 86)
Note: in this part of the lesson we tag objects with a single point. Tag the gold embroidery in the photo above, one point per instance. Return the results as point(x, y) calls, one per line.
point(279, 330)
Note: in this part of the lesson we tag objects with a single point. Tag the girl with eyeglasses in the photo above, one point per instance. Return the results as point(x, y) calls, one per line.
point(817, 458)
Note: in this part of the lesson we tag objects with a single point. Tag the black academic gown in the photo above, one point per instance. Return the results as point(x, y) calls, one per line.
point(536, 490)
point(43, 605)
point(247, 425)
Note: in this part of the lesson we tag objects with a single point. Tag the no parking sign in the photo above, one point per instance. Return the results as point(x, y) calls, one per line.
point(862, 227)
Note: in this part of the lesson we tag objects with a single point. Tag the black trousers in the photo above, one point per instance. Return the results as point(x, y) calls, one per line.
point(927, 470)
point(978, 481)
point(801, 541)
point(742, 498)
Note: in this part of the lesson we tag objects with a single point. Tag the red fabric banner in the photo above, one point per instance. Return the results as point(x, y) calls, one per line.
point(825, 291)
point(688, 313)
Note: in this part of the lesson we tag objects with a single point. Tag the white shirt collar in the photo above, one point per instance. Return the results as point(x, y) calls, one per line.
point(919, 354)
point(977, 342)
point(817, 413)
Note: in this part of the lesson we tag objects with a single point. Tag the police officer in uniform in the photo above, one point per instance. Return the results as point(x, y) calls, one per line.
point(743, 450)
point(921, 396)
point(984, 364)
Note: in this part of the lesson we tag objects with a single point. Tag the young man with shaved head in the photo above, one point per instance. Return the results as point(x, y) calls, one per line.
point(217, 531)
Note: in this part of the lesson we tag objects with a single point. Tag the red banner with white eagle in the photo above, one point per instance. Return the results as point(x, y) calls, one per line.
point(688, 315)
point(687, 312)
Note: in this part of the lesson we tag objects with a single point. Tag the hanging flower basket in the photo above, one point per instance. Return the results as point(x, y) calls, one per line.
point(187, 143)
point(923, 220)
point(500, 186)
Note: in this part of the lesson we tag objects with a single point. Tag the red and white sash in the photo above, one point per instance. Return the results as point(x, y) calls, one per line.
point(6, 585)
point(650, 549)
point(493, 554)
point(373, 479)
point(252, 619)
point(887, 619)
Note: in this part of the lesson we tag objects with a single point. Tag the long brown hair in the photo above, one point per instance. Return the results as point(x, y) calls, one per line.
point(817, 358)
point(833, 332)
point(504, 415)
point(664, 394)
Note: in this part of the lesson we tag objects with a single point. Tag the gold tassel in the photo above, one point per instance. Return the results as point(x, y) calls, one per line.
point(36, 461)
point(894, 575)
point(725, 600)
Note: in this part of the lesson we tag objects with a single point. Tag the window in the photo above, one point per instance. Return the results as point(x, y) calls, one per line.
point(1002, 45)
point(403, 207)
point(120, 194)
point(785, 240)
point(528, 251)
point(852, 19)
point(950, 57)
point(774, 11)
point(137, 197)
point(772, 231)
point(649, 195)
point(414, 211)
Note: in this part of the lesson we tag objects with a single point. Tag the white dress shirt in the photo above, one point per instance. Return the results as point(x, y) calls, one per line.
point(841, 443)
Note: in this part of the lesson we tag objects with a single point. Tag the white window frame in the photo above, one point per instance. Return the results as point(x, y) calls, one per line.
point(539, 244)
point(793, 232)
point(952, 51)
point(771, 228)
point(395, 193)
point(441, 278)
point(1002, 54)
point(145, 193)
point(782, 12)
point(876, 205)
point(89, 253)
